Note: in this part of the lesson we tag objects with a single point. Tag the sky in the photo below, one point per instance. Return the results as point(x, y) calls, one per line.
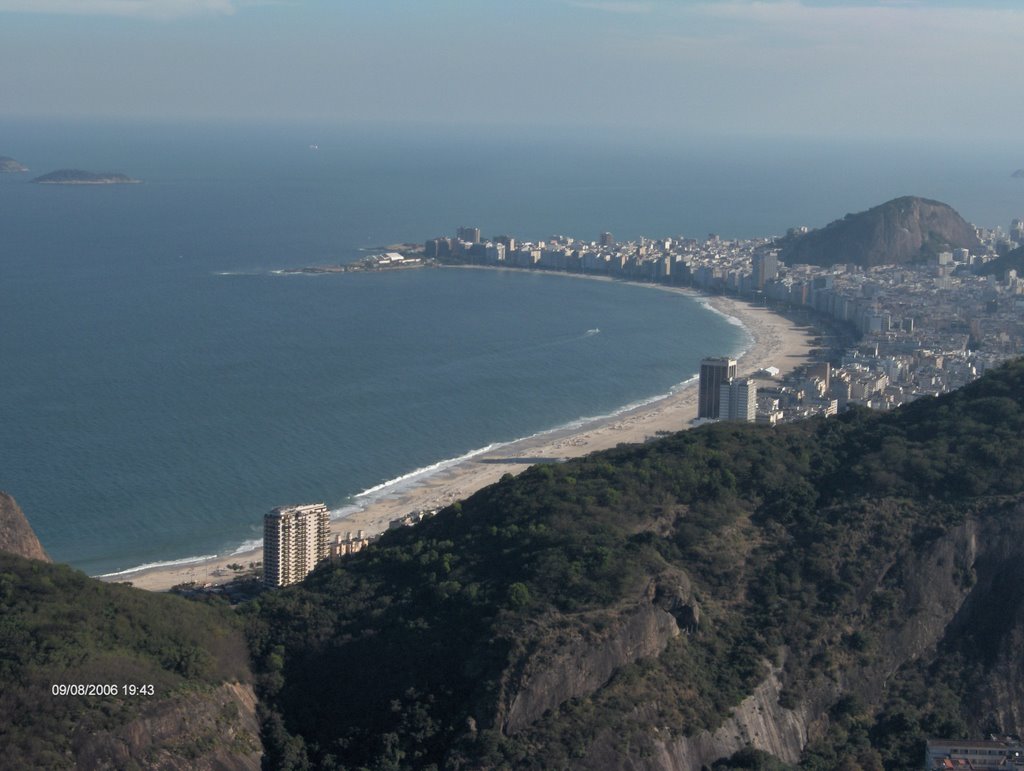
point(934, 69)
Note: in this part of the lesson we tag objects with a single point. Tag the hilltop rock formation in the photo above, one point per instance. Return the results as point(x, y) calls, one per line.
point(16, 534)
point(902, 230)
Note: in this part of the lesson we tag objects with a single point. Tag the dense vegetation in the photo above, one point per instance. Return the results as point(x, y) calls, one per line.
point(58, 626)
point(791, 539)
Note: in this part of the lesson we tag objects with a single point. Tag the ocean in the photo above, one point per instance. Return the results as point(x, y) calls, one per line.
point(163, 387)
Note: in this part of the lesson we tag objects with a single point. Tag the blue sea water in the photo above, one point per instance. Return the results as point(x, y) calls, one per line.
point(162, 387)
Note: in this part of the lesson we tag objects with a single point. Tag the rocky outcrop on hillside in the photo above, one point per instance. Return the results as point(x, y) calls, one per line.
point(966, 587)
point(564, 663)
point(217, 729)
point(16, 534)
point(898, 231)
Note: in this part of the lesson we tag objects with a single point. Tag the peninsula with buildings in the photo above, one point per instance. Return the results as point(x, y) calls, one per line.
point(387, 260)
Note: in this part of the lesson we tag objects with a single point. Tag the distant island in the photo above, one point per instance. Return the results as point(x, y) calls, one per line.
point(1018, 174)
point(78, 177)
point(9, 165)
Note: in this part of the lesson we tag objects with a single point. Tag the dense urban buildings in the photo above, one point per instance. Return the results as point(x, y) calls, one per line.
point(294, 541)
point(893, 333)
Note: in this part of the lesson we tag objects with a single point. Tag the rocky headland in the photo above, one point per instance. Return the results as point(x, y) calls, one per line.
point(16, 534)
point(902, 230)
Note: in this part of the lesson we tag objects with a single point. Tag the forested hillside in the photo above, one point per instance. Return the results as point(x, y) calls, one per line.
point(103, 676)
point(829, 593)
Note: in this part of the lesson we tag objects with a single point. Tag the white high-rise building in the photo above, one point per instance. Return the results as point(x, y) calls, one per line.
point(737, 400)
point(294, 541)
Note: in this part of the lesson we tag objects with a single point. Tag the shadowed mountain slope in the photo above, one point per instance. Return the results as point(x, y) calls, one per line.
point(902, 230)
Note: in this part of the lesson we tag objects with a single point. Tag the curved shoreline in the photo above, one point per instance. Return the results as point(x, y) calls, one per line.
point(773, 340)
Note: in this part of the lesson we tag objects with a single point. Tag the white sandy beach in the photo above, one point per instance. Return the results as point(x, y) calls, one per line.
point(777, 342)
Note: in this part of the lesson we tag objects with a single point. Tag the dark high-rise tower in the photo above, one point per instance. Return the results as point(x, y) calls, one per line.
point(471, 235)
point(713, 373)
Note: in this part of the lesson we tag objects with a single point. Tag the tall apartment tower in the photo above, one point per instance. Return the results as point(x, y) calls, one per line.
point(766, 268)
point(294, 541)
point(472, 235)
point(713, 372)
point(737, 400)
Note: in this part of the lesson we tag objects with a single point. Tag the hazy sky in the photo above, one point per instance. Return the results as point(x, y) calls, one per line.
point(932, 68)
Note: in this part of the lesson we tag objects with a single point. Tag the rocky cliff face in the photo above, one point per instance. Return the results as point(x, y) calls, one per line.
point(16, 534)
point(901, 230)
point(964, 590)
point(576, 661)
point(193, 732)
point(971, 578)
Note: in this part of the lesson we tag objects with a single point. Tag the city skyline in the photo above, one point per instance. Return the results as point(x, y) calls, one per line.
point(935, 69)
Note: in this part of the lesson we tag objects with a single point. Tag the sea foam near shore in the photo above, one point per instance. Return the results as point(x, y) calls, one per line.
point(166, 564)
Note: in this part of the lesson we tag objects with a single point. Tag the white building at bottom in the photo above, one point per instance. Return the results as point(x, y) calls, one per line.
point(1005, 754)
point(737, 400)
point(294, 541)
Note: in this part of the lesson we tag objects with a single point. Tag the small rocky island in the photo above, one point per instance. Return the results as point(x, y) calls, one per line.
point(9, 165)
point(78, 177)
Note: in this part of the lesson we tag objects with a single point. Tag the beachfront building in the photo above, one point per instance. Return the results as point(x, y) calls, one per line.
point(713, 373)
point(737, 400)
point(344, 546)
point(294, 541)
